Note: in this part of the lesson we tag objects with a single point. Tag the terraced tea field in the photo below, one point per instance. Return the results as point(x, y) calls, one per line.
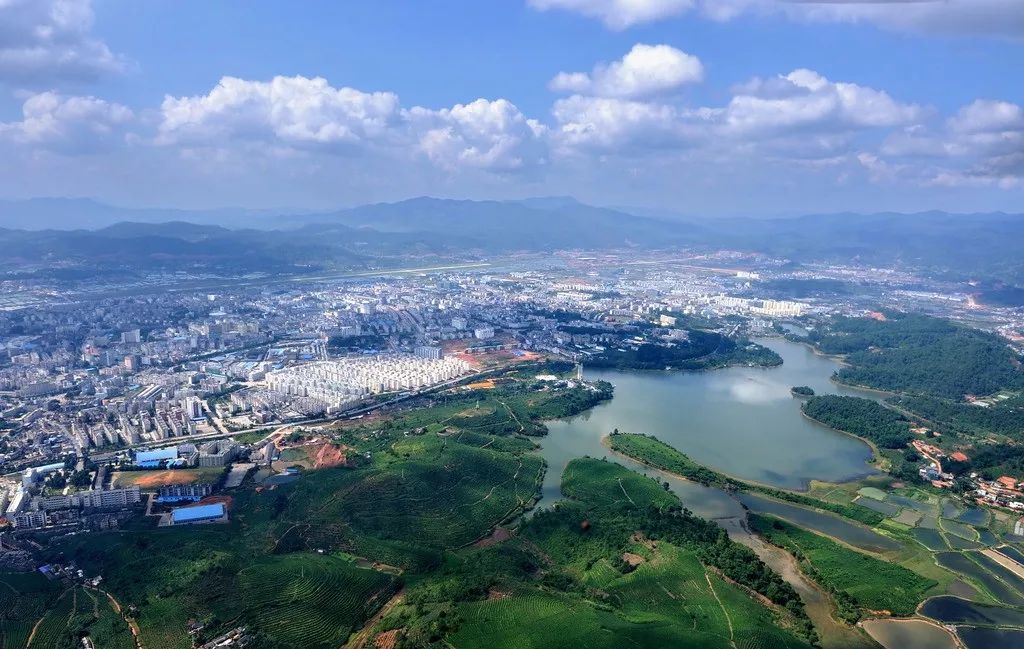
point(24, 600)
point(671, 601)
point(309, 600)
point(605, 484)
point(428, 491)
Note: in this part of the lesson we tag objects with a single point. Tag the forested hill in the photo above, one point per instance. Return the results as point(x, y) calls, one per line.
point(921, 355)
point(861, 417)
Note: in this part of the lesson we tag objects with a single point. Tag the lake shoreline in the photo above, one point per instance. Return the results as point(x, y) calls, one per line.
point(876, 454)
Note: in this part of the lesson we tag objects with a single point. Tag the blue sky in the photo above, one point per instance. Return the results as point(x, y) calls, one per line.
point(696, 106)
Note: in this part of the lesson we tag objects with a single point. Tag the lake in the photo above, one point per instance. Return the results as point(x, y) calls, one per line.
point(741, 421)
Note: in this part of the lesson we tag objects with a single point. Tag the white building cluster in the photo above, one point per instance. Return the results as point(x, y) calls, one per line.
point(774, 308)
point(342, 382)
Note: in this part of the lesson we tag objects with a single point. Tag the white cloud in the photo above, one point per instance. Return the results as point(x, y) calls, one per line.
point(799, 128)
point(981, 145)
point(988, 116)
point(618, 14)
point(621, 126)
point(309, 114)
point(483, 134)
point(801, 115)
point(292, 110)
point(69, 124)
point(805, 99)
point(995, 17)
point(990, 135)
point(644, 70)
point(46, 40)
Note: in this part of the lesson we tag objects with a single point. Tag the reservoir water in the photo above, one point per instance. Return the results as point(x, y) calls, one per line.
point(742, 421)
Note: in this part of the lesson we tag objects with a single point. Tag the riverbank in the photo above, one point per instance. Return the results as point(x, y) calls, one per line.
point(876, 454)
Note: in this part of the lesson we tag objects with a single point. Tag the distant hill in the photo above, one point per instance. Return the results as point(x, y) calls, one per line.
point(965, 246)
point(961, 246)
point(535, 224)
point(87, 214)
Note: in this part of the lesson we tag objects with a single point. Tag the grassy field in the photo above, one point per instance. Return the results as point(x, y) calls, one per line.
point(871, 584)
point(620, 562)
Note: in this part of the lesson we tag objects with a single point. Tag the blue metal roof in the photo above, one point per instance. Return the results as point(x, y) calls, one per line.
point(197, 513)
point(170, 453)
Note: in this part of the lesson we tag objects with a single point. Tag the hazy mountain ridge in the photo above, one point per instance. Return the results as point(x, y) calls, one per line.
point(965, 246)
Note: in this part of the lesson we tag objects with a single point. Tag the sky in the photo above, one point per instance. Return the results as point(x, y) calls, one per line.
point(695, 107)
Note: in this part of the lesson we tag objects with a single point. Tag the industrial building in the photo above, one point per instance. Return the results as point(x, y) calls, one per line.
point(156, 458)
point(196, 514)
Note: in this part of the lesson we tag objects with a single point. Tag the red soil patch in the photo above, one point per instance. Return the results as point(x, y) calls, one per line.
point(160, 479)
point(500, 535)
point(329, 455)
point(386, 640)
point(213, 500)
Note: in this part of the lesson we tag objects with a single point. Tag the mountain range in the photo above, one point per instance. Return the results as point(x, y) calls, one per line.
point(68, 233)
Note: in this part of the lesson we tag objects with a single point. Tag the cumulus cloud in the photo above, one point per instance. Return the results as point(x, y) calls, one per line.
point(988, 116)
point(46, 40)
point(622, 126)
point(69, 124)
point(990, 135)
point(982, 144)
point(618, 121)
point(645, 70)
point(803, 98)
point(492, 135)
point(618, 14)
point(996, 17)
point(292, 110)
point(310, 114)
point(801, 115)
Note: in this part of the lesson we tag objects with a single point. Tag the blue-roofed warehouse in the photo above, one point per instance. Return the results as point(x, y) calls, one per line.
point(213, 513)
point(157, 457)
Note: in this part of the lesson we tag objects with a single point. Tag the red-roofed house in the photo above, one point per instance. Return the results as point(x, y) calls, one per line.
point(1007, 481)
